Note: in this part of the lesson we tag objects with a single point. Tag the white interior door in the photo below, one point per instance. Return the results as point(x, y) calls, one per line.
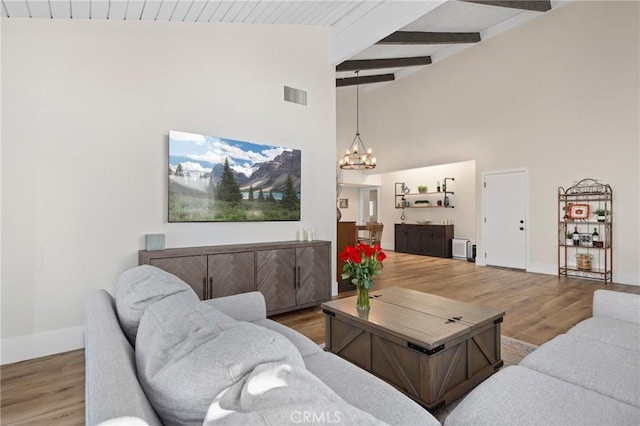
point(505, 199)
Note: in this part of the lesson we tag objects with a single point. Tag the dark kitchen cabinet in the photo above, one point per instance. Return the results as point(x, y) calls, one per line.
point(427, 240)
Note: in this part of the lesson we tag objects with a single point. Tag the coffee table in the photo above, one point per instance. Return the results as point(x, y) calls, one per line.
point(431, 348)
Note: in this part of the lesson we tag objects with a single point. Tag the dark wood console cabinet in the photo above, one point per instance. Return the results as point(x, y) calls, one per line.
point(347, 236)
point(291, 275)
point(427, 240)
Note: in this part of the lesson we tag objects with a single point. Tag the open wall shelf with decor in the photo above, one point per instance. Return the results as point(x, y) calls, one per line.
point(423, 198)
point(585, 231)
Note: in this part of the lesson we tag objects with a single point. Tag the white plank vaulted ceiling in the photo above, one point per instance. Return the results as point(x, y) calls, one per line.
point(356, 25)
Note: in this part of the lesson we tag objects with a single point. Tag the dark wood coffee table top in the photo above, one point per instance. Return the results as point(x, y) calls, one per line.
point(416, 316)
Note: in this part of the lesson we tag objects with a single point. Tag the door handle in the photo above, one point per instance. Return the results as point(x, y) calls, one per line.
point(210, 288)
point(295, 277)
point(204, 289)
point(298, 276)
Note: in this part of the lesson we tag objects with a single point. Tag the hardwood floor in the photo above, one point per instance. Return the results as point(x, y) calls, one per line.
point(44, 391)
point(50, 390)
point(538, 307)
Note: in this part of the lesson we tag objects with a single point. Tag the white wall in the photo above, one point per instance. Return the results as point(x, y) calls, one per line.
point(86, 110)
point(462, 215)
point(350, 214)
point(557, 96)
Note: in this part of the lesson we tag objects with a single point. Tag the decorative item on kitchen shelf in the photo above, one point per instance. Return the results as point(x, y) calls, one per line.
point(601, 215)
point(584, 261)
point(422, 189)
point(578, 211)
point(586, 240)
point(569, 240)
point(362, 263)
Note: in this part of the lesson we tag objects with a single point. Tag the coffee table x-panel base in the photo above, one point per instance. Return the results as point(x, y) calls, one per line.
point(431, 348)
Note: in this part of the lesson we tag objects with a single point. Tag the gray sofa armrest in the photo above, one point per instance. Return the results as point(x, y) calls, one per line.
point(618, 305)
point(111, 389)
point(242, 307)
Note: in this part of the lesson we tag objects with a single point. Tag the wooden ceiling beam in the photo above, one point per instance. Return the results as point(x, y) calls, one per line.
point(372, 64)
point(421, 37)
point(352, 81)
point(534, 5)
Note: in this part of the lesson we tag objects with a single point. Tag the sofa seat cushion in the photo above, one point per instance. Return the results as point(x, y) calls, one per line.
point(606, 369)
point(305, 345)
point(519, 396)
point(610, 331)
point(367, 392)
point(187, 353)
point(279, 394)
point(142, 286)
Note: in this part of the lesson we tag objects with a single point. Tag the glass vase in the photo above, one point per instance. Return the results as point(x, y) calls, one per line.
point(363, 298)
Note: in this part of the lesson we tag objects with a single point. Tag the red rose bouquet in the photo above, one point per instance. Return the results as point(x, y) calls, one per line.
point(362, 262)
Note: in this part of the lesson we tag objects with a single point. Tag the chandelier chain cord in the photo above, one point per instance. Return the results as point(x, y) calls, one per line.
point(357, 106)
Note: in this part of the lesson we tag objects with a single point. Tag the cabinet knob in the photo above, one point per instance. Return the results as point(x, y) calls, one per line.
point(522, 228)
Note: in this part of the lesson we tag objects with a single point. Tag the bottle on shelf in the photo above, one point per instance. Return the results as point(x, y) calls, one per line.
point(576, 236)
point(438, 186)
point(595, 237)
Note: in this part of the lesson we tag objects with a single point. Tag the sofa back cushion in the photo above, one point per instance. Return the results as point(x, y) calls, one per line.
point(187, 353)
point(142, 286)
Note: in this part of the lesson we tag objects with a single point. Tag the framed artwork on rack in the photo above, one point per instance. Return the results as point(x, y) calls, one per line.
point(578, 211)
point(344, 203)
point(586, 240)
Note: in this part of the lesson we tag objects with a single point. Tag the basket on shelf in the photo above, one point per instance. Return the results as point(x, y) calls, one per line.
point(584, 261)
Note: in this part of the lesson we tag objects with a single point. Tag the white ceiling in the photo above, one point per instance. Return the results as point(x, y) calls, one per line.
point(356, 25)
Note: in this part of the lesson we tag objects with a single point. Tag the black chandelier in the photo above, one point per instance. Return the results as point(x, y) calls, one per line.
point(357, 156)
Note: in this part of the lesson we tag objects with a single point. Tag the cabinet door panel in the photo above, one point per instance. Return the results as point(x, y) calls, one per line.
point(314, 274)
point(276, 277)
point(191, 269)
point(231, 273)
point(401, 235)
point(433, 240)
point(414, 240)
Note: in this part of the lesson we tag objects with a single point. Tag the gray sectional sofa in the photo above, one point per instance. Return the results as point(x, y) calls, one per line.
point(135, 350)
point(588, 376)
point(121, 383)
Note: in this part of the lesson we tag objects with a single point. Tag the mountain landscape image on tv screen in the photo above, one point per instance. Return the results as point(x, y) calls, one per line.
point(213, 179)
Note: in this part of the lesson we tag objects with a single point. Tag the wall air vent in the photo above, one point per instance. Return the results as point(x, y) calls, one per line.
point(296, 96)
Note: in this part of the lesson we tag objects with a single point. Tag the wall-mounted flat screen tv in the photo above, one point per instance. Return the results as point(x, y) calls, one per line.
point(214, 179)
